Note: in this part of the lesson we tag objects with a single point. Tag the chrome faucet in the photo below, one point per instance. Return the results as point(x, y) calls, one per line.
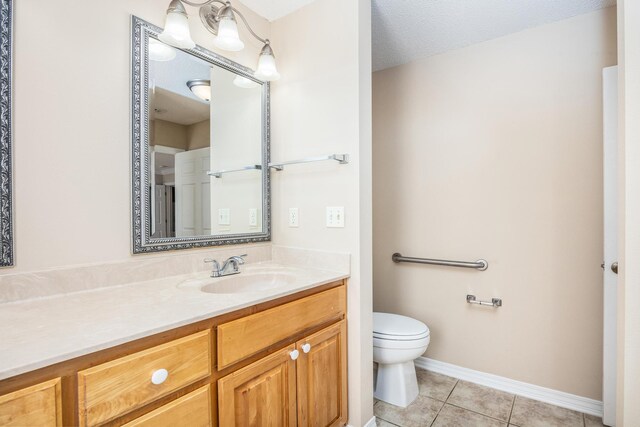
point(235, 262)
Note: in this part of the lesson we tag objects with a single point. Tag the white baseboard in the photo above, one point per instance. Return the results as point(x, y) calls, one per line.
point(370, 423)
point(554, 397)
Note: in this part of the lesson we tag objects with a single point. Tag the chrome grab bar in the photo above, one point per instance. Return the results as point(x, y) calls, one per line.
point(480, 264)
point(495, 302)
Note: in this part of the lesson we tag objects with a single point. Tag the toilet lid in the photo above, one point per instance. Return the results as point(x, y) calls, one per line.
point(394, 325)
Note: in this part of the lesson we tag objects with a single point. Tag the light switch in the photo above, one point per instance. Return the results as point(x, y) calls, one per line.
point(253, 217)
point(335, 216)
point(224, 216)
point(293, 217)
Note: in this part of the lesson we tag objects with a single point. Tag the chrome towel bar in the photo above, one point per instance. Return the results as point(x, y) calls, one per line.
point(343, 159)
point(218, 174)
point(495, 302)
point(480, 264)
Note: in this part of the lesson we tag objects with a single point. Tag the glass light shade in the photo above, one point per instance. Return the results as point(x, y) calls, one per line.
point(176, 31)
point(159, 51)
point(202, 91)
point(244, 82)
point(267, 70)
point(228, 38)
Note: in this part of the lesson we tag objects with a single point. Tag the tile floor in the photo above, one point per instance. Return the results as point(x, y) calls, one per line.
point(447, 402)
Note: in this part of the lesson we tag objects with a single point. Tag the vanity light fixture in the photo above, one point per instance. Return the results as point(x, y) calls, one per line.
point(200, 88)
point(221, 22)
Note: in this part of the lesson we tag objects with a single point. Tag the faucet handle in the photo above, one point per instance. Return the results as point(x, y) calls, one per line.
point(239, 258)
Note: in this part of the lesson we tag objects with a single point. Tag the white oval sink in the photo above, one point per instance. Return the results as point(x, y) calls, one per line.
point(241, 283)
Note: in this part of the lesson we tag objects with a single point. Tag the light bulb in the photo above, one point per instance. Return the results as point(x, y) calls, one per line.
point(228, 38)
point(176, 27)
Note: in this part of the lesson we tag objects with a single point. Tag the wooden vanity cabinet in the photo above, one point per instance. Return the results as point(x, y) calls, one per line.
point(236, 369)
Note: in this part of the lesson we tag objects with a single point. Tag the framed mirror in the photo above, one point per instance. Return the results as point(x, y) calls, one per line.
point(200, 147)
point(6, 178)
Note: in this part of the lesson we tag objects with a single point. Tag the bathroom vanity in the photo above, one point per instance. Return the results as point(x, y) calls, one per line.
point(281, 361)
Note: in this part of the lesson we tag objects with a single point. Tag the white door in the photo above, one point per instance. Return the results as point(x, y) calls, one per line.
point(610, 279)
point(193, 186)
point(159, 212)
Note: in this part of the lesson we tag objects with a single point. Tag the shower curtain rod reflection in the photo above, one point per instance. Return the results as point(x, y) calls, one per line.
point(480, 264)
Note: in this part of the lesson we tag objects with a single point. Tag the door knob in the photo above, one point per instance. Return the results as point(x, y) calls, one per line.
point(306, 348)
point(614, 267)
point(294, 354)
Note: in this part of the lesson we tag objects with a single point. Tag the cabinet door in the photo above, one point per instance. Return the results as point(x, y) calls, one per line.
point(322, 377)
point(261, 394)
point(39, 405)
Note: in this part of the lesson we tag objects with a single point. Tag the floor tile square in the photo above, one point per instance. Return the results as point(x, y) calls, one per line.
point(382, 423)
point(592, 421)
point(435, 386)
point(421, 412)
point(483, 400)
point(531, 413)
point(452, 416)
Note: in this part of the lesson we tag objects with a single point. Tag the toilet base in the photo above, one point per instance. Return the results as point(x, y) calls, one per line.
point(397, 383)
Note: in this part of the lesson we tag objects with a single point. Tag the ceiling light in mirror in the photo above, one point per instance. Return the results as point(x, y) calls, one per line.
point(244, 82)
point(159, 51)
point(200, 88)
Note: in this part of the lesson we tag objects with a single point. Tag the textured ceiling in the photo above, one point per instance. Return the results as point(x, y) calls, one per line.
point(406, 30)
point(274, 9)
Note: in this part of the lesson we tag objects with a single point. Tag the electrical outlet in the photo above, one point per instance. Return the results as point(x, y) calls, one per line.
point(224, 218)
point(335, 216)
point(253, 217)
point(293, 217)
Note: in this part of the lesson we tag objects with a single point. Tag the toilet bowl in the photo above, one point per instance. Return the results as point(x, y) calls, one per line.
point(397, 342)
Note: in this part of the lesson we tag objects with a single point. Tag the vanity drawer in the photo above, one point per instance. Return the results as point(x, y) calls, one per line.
point(244, 337)
point(193, 410)
point(114, 388)
point(39, 405)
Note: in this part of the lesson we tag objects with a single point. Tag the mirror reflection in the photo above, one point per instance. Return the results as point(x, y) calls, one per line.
point(205, 147)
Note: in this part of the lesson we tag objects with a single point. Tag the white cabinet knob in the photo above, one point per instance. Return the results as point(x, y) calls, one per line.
point(294, 354)
point(159, 376)
point(306, 348)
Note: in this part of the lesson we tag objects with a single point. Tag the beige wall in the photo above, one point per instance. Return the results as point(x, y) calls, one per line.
point(198, 135)
point(628, 396)
point(83, 133)
point(494, 151)
point(321, 105)
point(169, 134)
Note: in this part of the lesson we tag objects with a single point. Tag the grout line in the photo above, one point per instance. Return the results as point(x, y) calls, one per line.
point(513, 405)
point(584, 421)
point(451, 392)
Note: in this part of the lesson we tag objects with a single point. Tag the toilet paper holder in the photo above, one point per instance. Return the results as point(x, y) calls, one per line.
point(495, 302)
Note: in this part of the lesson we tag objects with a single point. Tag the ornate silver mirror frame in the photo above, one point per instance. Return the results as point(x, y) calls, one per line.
point(141, 31)
point(6, 196)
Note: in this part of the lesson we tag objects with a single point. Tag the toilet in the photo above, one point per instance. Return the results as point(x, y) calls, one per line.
point(397, 342)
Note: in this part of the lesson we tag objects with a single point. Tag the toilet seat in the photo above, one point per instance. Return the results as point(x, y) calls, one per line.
point(397, 327)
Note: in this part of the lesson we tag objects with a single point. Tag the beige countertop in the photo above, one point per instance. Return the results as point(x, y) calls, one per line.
point(40, 332)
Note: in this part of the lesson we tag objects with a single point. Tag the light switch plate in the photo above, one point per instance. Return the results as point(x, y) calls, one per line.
point(293, 217)
point(253, 217)
point(224, 218)
point(335, 216)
